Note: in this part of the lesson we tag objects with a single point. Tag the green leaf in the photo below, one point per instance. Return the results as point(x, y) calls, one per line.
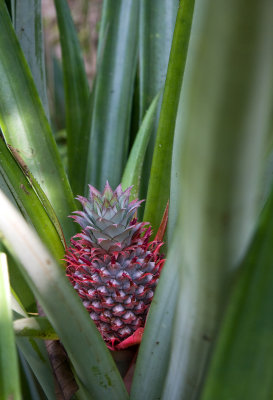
point(34, 352)
point(175, 189)
point(91, 360)
point(86, 126)
point(9, 372)
point(76, 97)
point(10, 6)
point(28, 382)
point(159, 184)
point(245, 342)
point(27, 22)
point(117, 57)
point(38, 327)
point(225, 114)
point(25, 126)
point(20, 286)
point(28, 202)
point(157, 21)
point(154, 352)
point(4, 187)
point(132, 172)
point(55, 82)
point(46, 204)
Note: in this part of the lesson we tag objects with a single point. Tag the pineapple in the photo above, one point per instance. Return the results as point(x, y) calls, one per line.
point(111, 263)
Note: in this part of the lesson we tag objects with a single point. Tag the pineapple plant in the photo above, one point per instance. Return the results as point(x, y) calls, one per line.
point(216, 107)
point(112, 265)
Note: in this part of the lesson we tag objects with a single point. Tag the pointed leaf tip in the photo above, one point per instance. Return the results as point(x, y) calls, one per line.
point(132, 340)
point(93, 191)
point(163, 225)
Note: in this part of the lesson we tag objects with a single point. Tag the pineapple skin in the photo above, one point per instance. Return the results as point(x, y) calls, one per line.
point(111, 263)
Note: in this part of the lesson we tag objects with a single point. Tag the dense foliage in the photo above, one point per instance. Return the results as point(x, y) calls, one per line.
point(180, 108)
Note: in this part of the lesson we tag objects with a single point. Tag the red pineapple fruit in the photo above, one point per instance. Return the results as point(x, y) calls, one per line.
point(112, 265)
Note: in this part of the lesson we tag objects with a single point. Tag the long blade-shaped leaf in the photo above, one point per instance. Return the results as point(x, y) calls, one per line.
point(117, 56)
point(92, 361)
point(154, 352)
point(27, 22)
point(224, 123)
point(159, 183)
point(34, 352)
point(28, 382)
point(20, 286)
point(175, 189)
point(76, 96)
point(4, 187)
point(132, 172)
point(28, 202)
point(38, 327)
point(157, 20)
point(245, 341)
point(25, 125)
point(9, 372)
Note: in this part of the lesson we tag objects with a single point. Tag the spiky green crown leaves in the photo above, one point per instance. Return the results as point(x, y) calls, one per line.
point(107, 218)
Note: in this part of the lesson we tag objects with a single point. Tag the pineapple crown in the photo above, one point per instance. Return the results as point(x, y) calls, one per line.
point(107, 219)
